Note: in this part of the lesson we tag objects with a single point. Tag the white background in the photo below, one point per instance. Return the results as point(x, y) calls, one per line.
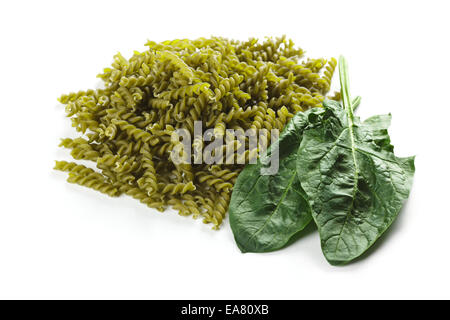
point(63, 241)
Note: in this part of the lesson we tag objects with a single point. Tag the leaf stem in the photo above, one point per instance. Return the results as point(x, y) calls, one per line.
point(355, 103)
point(343, 77)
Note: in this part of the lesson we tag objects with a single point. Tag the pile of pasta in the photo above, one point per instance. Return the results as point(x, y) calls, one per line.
point(125, 128)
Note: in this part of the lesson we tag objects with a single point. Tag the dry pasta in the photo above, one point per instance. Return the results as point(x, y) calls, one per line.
point(126, 127)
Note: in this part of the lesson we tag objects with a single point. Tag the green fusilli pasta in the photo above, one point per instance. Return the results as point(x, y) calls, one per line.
point(127, 126)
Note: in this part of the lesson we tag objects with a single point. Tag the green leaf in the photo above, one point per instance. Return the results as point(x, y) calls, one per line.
point(267, 210)
point(355, 184)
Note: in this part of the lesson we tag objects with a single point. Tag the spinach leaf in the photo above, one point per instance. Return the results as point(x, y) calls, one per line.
point(355, 184)
point(267, 210)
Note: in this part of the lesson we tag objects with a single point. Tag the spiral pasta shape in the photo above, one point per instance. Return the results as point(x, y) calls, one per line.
point(127, 127)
